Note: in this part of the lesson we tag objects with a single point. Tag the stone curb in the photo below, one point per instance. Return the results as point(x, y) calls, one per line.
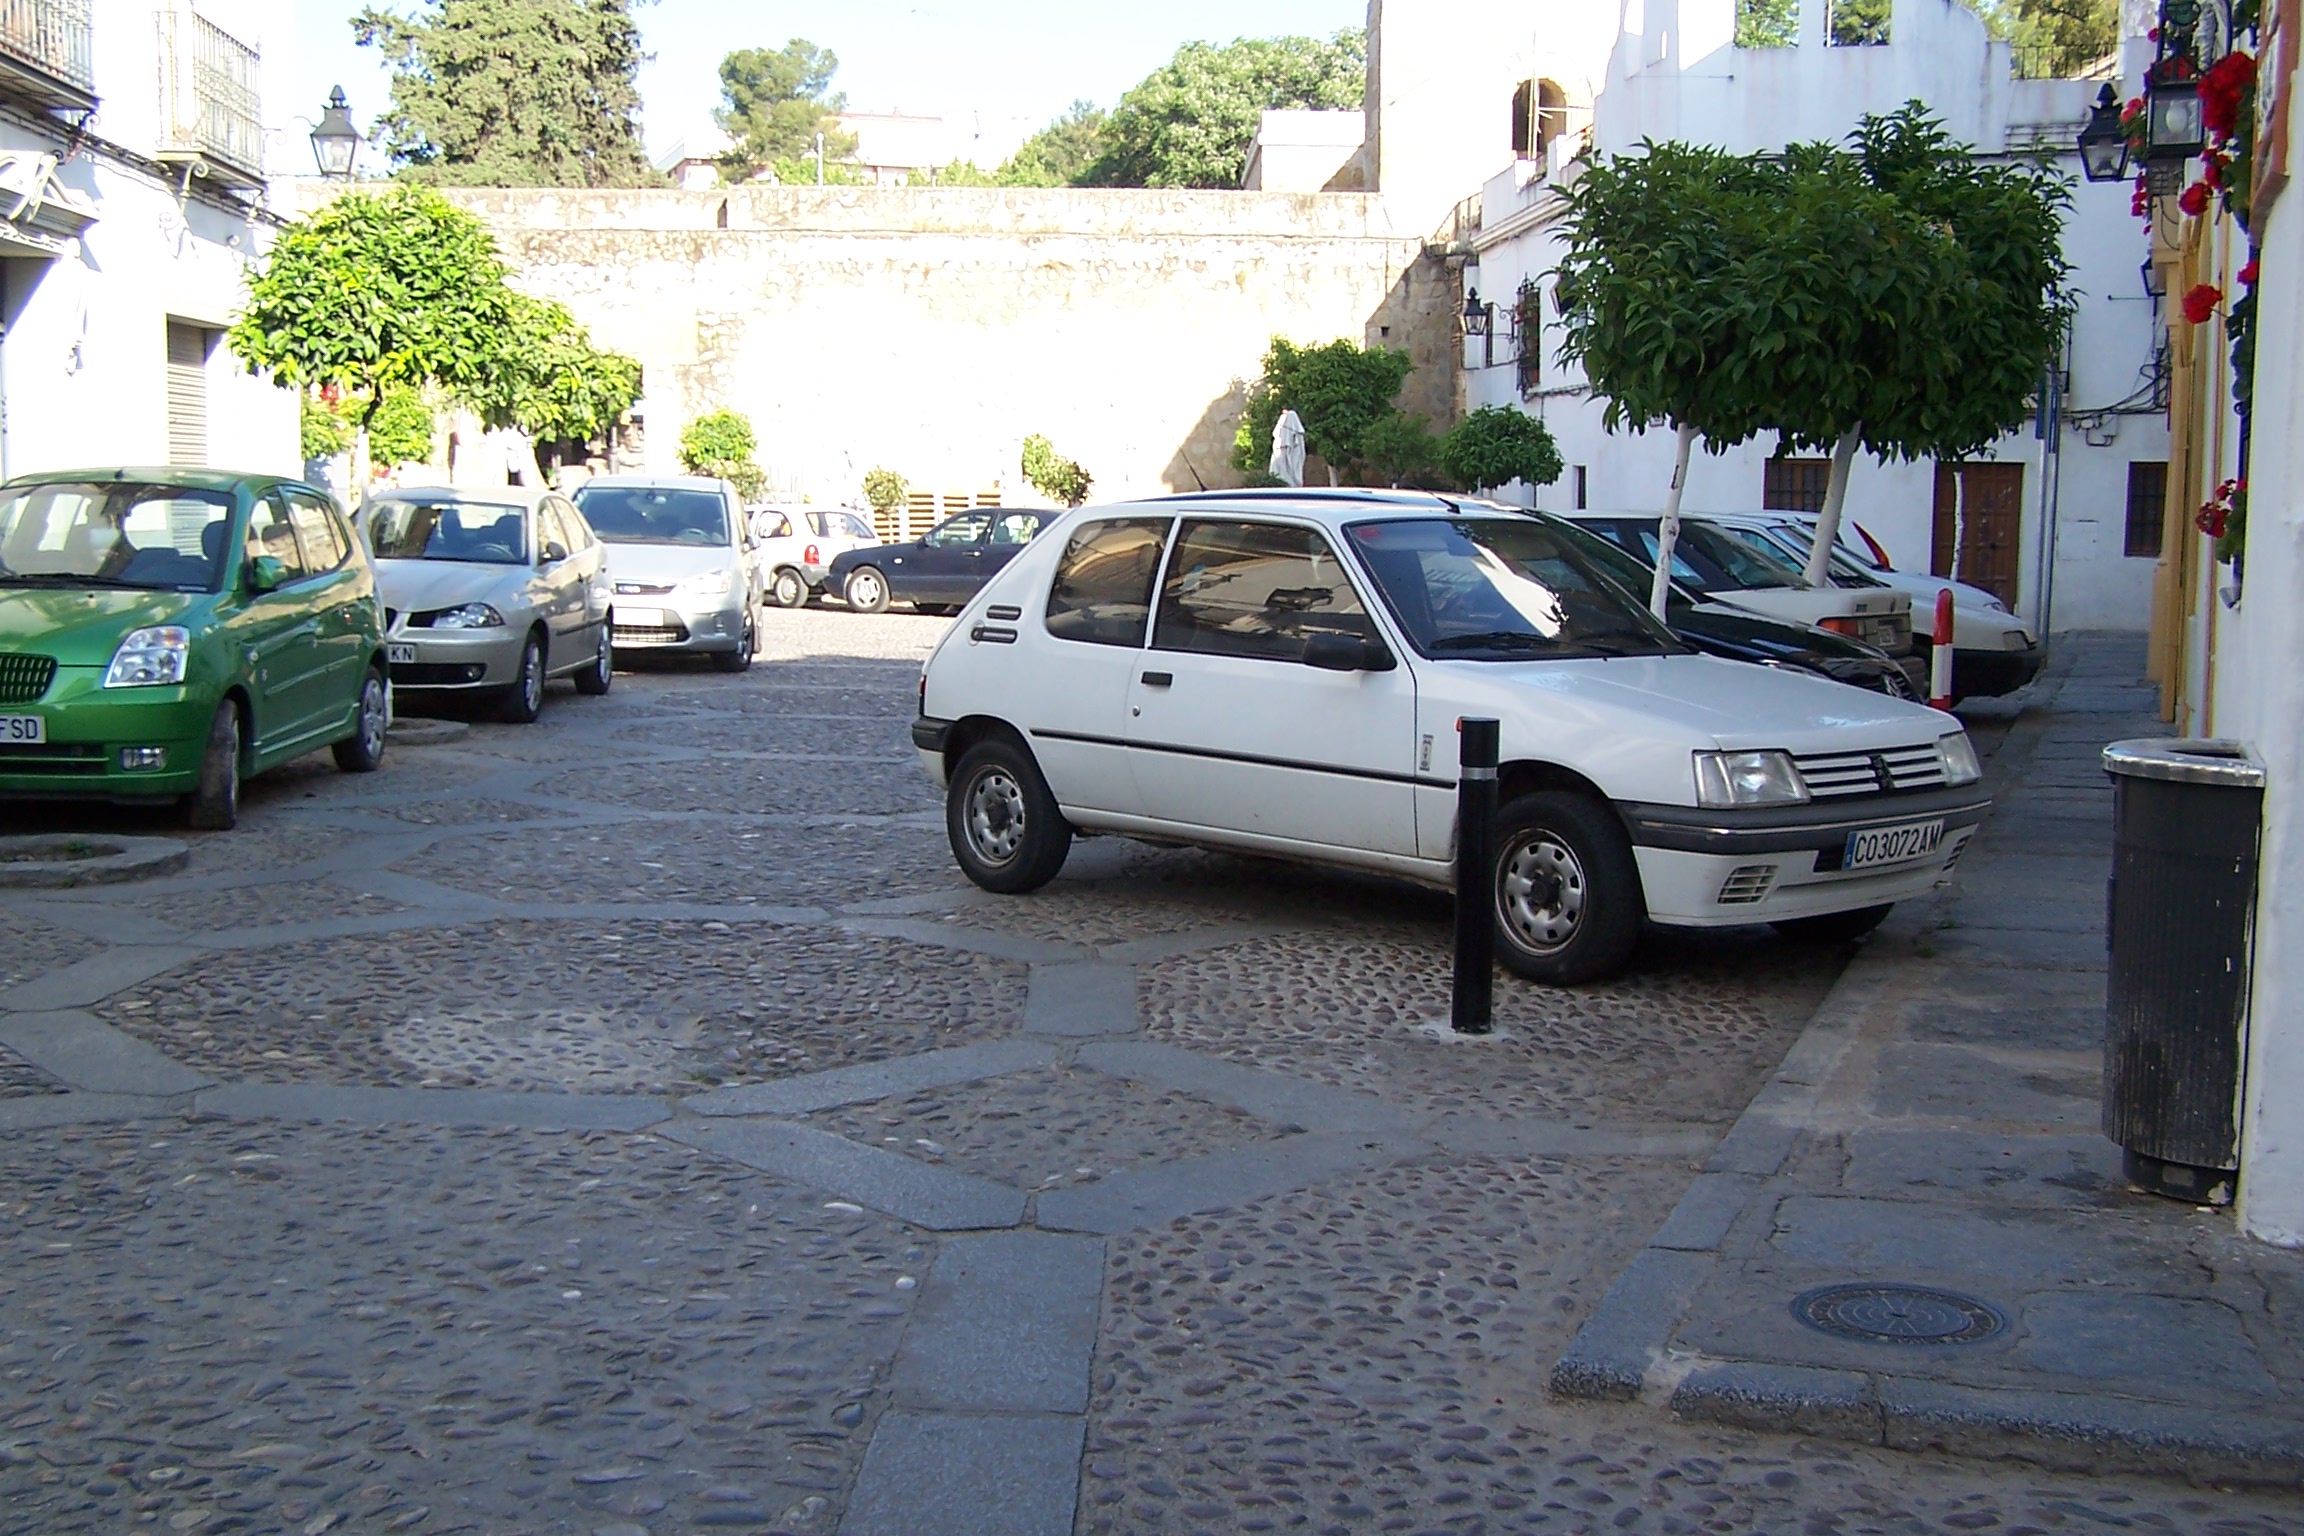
point(131, 858)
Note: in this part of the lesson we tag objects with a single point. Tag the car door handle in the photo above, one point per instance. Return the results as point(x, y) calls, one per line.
point(1158, 679)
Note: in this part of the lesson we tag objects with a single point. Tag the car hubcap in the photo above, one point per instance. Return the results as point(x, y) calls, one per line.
point(867, 591)
point(788, 590)
point(1540, 892)
point(372, 717)
point(995, 817)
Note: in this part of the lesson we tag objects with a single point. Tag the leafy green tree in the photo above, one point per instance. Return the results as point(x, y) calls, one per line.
point(512, 92)
point(324, 433)
point(776, 101)
point(1189, 123)
point(1338, 391)
point(1963, 289)
point(1053, 475)
point(552, 383)
point(1497, 445)
point(721, 444)
point(377, 291)
point(1767, 23)
point(400, 432)
point(1061, 153)
point(1859, 23)
point(1399, 449)
point(884, 490)
point(2056, 39)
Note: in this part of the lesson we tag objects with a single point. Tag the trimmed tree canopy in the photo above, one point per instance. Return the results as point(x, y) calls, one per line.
point(1189, 123)
point(517, 93)
point(1053, 475)
point(1497, 445)
point(376, 290)
point(1339, 390)
point(721, 444)
point(776, 101)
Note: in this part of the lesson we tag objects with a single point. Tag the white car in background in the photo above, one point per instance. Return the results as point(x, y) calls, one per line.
point(1721, 568)
point(1282, 672)
point(1993, 651)
point(794, 548)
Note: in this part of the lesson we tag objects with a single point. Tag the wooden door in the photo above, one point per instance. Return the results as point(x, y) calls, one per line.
point(1991, 553)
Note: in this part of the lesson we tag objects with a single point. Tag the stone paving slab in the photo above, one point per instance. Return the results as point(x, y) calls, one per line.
point(1005, 1323)
point(939, 1199)
point(432, 1106)
point(964, 1474)
point(84, 1052)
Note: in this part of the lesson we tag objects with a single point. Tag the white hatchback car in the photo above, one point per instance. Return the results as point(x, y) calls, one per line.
point(1282, 673)
point(793, 548)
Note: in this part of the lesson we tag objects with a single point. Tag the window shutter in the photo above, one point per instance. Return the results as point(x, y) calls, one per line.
point(187, 393)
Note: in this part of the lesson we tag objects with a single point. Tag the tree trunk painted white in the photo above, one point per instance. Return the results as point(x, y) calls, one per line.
point(1668, 527)
point(1959, 516)
point(1835, 497)
point(356, 493)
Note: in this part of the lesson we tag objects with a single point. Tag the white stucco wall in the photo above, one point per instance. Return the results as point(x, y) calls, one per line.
point(1661, 86)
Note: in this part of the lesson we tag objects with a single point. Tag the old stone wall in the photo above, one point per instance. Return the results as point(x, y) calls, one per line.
point(930, 330)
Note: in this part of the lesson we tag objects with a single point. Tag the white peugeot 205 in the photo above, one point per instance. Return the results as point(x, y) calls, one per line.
point(1281, 673)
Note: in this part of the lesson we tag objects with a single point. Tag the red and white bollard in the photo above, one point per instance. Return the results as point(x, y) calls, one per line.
point(1940, 654)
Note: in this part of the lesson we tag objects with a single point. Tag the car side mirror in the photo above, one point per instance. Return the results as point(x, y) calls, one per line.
point(267, 573)
point(555, 552)
point(1346, 653)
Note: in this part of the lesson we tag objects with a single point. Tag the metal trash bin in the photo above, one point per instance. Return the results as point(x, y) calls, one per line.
point(2179, 916)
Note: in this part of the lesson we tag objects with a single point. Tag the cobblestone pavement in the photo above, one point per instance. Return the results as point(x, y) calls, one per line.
point(632, 1123)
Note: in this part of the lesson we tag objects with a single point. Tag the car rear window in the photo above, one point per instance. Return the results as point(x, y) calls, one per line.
point(1103, 588)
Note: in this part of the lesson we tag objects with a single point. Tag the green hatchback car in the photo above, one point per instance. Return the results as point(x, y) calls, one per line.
point(166, 633)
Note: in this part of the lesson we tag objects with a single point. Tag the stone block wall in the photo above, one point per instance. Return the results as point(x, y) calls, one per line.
point(930, 330)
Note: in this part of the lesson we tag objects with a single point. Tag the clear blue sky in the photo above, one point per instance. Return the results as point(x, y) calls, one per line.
point(1026, 58)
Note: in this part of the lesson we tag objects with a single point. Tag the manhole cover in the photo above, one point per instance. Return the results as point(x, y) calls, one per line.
point(1897, 1314)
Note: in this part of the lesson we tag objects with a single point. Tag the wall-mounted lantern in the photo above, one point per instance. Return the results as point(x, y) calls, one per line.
point(336, 141)
point(2103, 142)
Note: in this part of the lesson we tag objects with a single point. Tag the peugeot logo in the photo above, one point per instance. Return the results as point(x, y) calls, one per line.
point(1880, 773)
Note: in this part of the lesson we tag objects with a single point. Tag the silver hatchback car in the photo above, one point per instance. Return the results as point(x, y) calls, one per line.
point(679, 551)
point(490, 591)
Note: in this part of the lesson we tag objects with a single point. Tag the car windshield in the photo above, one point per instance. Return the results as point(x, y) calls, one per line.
point(1614, 561)
point(1488, 589)
point(1796, 543)
point(1709, 560)
point(487, 533)
point(107, 533)
point(654, 514)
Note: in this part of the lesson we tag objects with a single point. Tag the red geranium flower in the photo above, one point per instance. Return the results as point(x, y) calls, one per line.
point(2140, 200)
point(2221, 88)
point(2210, 518)
point(2202, 302)
point(2248, 274)
point(2193, 199)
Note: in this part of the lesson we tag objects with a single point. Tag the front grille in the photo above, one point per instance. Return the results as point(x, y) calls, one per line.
point(25, 678)
point(53, 758)
point(640, 589)
point(1748, 884)
point(1894, 770)
point(634, 634)
point(436, 674)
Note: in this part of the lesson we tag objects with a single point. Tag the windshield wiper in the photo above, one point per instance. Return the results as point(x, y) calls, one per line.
point(1497, 639)
point(66, 579)
point(1623, 645)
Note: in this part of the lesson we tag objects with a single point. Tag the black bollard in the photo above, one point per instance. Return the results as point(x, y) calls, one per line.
point(1472, 1004)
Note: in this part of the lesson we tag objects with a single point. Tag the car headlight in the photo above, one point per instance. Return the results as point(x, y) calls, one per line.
point(470, 616)
point(1958, 754)
point(150, 658)
point(710, 584)
point(1730, 779)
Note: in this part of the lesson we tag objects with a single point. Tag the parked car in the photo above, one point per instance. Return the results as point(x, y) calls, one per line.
point(491, 592)
point(167, 633)
point(1717, 629)
point(679, 565)
point(1721, 568)
point(940, 571)
point(794, 547)
point(1994, 652)
point(1281, 673)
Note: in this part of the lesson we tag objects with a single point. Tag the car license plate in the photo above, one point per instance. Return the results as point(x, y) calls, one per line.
point(397, 654)
point(641, 618)
point(23, 730)
point(1875, 846)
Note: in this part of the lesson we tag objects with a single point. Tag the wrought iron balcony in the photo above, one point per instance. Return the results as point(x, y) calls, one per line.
point(208, 109)
point(45, 55)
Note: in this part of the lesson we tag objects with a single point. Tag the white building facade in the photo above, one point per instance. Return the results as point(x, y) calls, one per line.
point(2064, 523)
point(134, 162)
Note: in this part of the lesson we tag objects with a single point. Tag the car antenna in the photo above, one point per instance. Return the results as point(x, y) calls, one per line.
point(1196, 480)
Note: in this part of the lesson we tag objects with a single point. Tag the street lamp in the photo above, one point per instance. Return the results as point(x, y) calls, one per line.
point(337, 140)
point(2104, 143)
point(2173, 129)
point(1476, 314)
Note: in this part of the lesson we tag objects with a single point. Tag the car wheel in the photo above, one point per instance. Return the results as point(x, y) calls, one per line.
point(1834, 927)
point(214, 804)
point(1005, 828)
point(867, 590)
point(1568, 898)
point(524, 700)
point(363, 750)
point(787, 590)
point(739, 659)
point(594, 679)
